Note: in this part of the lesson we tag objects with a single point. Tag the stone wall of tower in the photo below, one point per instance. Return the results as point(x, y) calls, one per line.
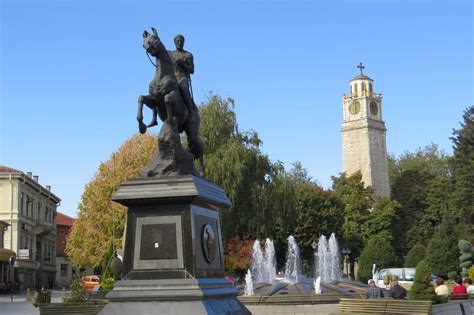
point(365, 149)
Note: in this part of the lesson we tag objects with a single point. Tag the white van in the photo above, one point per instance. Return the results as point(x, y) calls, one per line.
point(405, 276)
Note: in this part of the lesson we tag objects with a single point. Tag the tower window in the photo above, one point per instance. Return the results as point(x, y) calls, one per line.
point(355, 89)
point(370, 89)
point(364, 89)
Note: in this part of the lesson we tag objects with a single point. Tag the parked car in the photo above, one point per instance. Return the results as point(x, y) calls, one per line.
point(405, 276)
point(90, 282)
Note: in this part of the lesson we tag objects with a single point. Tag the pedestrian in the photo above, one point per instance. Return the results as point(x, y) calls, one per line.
point(374, 292)
point(468, 284)
point(441, 288)
point(397, 291)
point(458, 288)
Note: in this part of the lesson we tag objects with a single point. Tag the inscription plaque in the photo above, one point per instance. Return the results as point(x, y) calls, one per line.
point(158, 241)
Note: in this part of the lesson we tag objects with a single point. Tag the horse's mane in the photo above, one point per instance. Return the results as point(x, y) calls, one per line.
point(163, 52)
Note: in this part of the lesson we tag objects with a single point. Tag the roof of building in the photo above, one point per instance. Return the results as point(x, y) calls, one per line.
point(62, 219)
point(6, 169)
point(362, 77)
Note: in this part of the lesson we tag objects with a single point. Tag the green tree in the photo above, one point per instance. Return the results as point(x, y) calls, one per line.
point(381, 220)
point(422, 288)
point(429, 160)
point(357, 200)
point(462, 165)
point(99, 218)
point(378, 251)
point(218, 122)
point(442, 251)
point(416, 254)
point(410, 190)
point(320, 212)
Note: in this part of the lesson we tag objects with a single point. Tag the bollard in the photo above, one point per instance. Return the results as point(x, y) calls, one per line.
point(63, 294)
point(28, 295)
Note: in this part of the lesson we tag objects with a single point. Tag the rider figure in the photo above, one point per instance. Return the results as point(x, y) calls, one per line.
point(183, 68)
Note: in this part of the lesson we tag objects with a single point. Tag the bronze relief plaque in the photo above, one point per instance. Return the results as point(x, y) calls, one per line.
point(208, 238)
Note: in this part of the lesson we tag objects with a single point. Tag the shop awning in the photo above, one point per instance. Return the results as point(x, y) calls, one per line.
point(5, 254)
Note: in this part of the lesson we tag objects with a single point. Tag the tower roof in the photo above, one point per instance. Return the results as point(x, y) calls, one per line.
point(362, 77)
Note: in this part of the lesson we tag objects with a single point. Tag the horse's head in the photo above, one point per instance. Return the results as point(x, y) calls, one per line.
point(151, 42)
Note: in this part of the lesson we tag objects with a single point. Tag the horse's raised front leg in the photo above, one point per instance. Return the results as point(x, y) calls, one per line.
point(141, 125)
point(150, 102)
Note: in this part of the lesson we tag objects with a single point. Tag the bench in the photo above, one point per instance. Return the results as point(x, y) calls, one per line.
point(458, 297)
point(383, 306)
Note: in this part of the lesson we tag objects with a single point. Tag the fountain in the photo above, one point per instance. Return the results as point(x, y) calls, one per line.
point(328, 262)
point(293, 261)
point(248, 290)
point(257, 266)
point(269, 262)
point(317, 286)
point(261, 279)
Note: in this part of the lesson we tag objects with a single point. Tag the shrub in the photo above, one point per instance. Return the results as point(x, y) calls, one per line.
point(378, 251)
point(452, 275)
point(422, 288)
point(466, 256)
point(471, 273)
point(78, 292)
point(416, 254)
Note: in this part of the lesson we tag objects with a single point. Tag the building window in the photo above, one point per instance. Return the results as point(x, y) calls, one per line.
point(63, 270)
point(364, 89)
point(355, 89)
point(39, 210)
point(46, 214)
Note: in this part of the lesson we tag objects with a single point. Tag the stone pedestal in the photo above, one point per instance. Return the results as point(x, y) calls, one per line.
point(173, 256)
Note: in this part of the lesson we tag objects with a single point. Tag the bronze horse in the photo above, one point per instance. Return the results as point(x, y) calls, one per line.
point(165, 99)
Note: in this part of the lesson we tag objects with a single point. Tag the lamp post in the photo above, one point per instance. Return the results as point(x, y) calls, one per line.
point(346, 251)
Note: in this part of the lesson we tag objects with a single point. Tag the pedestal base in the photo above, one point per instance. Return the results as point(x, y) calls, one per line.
point(174, 296)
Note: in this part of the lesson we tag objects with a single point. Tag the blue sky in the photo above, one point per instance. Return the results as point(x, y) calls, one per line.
point(71, 72)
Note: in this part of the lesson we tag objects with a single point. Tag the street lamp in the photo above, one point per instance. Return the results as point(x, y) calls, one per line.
point(346, 251)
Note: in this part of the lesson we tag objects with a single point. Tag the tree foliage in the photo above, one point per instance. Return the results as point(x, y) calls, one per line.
point(462, 165)
point(416, 254)
point(357, 200)
point(238, 253)
point(320, 212)
point(430, 160)
point(99, 219)
point(378, 251)
point(422, 288)
point(442, 252)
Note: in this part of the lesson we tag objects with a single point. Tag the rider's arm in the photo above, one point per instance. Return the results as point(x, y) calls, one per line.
point(187, 63)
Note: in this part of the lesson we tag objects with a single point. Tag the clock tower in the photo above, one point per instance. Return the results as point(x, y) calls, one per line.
point(363, 134)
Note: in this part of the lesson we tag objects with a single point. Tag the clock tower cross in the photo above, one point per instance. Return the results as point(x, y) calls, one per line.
point(363, 134)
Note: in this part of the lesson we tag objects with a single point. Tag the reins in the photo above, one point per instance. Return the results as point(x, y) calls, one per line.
point(146, 52)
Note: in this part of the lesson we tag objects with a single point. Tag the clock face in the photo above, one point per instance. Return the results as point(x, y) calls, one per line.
point(374, 108)
point(354, 107)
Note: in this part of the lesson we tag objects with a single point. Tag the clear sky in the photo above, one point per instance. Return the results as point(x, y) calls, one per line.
point(71, 72)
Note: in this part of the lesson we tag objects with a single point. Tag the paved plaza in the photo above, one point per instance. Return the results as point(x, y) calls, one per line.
point(21, 306)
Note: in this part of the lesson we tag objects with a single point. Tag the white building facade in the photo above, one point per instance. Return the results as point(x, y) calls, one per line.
point(30, 210)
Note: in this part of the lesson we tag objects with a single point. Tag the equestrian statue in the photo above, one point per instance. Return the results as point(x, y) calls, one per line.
point(169, 98)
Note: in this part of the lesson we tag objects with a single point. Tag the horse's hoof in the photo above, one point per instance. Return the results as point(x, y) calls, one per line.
point(141, 127)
